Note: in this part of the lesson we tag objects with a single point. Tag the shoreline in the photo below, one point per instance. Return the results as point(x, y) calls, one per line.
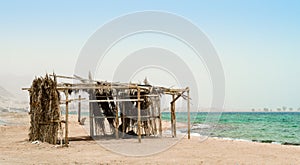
point(22, 119)
point(195, 134)
point(16, 149)
point(256, 141)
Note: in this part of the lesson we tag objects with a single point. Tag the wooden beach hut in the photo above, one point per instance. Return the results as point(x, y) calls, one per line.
point(127, 108)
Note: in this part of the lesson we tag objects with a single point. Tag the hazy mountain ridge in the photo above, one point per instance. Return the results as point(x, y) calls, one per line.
point(5, 93)
point(9, 103)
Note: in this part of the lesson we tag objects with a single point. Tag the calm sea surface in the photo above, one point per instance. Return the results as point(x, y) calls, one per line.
point(268, 127)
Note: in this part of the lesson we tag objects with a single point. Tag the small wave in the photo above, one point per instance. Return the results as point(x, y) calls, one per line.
point(2, 122)
point(235, 139)
point(200, 126)
point(258, 141)
point(5, 123)
point(167, 132)
point(195, 134)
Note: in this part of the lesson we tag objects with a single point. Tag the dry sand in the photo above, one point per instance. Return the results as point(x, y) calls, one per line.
point(16, 149)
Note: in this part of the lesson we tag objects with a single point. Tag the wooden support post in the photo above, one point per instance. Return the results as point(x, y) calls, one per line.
point(159, 120)
point(67, 119)
point(117, 121)
point(173, 129)
point(79, 108)
point(123, 118)
point(91, 107)
point(139, 114)
point(171, 109)
point(152, 119)
point(189, 115)
point(174, 117)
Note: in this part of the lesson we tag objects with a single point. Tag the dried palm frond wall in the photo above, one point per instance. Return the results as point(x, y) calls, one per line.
point(44, 110)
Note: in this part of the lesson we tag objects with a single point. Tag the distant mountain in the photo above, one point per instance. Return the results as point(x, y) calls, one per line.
point(9, 103)
point(15, 83)
point(5, 93)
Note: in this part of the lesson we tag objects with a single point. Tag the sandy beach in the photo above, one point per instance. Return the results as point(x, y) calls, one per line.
point(16, 149)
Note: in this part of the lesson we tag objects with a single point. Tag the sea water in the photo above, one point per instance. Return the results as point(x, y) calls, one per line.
point(2, 122)
point(268, 127)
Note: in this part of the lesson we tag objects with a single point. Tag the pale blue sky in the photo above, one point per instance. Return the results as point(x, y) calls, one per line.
point(257, 41)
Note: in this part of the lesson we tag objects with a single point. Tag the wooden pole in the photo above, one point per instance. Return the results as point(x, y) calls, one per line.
point(67, 120)
point(79, 108)
point(172, 115)
point(174, 111)
point(139, 115)
point(123, 118)
point(91, 107)
point(119, 100)
point(189, 115)
point(117, 122)
point(152, 119)
point(159, 120)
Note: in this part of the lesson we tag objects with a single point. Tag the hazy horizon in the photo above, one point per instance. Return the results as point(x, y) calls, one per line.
point(257, 43)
